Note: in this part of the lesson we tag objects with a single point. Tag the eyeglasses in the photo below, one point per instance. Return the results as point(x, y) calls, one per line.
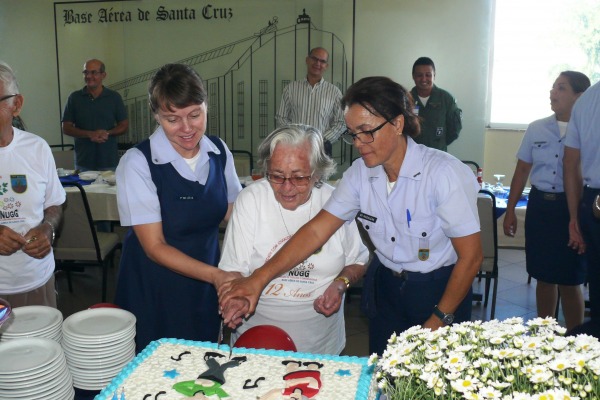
point(93, 72)
point(363, 137)
point(8, 96)
point(294, 180)
point(317, 60)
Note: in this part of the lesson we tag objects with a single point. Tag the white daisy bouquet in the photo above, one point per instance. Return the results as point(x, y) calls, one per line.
point(490, 360)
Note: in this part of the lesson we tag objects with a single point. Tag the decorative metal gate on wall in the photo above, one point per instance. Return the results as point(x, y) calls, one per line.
point(244, 95)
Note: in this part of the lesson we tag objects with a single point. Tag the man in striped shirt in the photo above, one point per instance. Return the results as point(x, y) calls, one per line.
point(313, 101)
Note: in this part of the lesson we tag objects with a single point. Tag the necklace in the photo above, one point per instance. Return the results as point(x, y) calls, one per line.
point(303, 263)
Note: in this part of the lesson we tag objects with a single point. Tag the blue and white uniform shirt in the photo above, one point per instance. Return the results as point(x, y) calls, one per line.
point(434, 199)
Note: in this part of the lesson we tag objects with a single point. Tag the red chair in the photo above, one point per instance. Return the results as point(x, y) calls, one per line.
point(104, 305)
point(266, 337)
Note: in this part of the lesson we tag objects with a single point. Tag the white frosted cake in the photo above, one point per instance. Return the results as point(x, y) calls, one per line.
point(180, 369)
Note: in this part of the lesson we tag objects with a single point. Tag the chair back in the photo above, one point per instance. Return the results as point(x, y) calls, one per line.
point(243, 162)
point(266, 337)
point(473, 165)
point(486, 206)
point(64, 155)
point(77, 238)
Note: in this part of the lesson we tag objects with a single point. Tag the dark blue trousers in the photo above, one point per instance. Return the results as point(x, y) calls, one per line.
point(401, 302)
point(590, 228)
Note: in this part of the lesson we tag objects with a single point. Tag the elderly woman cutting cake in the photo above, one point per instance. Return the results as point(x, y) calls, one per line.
point(305, 301)
point(419, 207)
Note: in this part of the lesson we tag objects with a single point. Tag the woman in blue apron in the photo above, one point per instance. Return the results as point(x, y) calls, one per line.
point(174, 189)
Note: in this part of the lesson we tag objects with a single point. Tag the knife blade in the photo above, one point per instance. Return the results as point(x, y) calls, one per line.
point(220, 338)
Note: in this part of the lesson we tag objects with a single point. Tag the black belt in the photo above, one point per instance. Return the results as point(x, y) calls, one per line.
point(587, 188)
point(548, 196)
point(438, 274)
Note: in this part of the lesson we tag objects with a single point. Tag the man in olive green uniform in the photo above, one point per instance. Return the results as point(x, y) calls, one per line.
point(441, 119)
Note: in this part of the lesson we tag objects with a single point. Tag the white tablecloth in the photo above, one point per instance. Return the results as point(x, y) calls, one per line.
point(103, 201)
point(518, 241)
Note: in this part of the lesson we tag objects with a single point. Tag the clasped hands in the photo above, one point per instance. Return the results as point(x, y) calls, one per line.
point(35, 243)
point(238, 299)
point(99, 136)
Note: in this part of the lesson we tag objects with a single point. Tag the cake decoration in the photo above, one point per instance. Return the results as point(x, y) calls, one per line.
point(206, 372)
point(171, 374)
point(299, 382)
point(178, 358)
point(255, 384)
point(210, 381)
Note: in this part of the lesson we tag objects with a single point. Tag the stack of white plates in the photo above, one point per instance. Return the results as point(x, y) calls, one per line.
point(98, 343)
point(33, 321)
point(34, 369)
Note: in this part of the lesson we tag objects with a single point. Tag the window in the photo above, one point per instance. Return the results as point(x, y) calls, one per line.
point(533, 42)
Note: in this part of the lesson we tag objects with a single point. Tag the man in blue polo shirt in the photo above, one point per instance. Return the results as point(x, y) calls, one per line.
point(94, 116)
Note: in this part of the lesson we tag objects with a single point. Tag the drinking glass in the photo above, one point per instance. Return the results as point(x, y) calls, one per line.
point(499, 188)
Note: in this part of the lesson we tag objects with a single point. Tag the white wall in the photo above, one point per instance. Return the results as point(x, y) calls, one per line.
point(27, 45)
point(390, 35)
point(500, 153)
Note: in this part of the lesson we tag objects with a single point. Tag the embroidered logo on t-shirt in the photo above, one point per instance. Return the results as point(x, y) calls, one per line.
point(18, 183)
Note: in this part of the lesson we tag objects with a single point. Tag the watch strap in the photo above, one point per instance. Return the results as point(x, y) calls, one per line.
point(445, 318)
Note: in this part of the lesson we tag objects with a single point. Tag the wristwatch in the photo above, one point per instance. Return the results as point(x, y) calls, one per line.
point(343, 279)
point(446, 318)
point(53, 231)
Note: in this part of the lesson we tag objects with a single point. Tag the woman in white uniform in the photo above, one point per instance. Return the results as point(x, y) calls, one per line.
point(306, 302)
point(419, 207)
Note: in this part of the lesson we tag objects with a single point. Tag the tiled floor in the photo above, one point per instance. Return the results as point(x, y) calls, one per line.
point(515, 298)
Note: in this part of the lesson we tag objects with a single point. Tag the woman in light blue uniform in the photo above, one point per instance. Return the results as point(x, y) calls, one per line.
point(175, 188)
point(549, 260)
point(419, 207)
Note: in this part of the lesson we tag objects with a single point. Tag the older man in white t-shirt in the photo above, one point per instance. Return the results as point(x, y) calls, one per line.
point(31, 199)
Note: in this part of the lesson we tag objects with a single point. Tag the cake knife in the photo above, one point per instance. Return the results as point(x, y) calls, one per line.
point(220, 338)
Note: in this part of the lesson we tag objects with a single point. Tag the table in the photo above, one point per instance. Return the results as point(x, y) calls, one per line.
point(518, 241)
point(103, 201)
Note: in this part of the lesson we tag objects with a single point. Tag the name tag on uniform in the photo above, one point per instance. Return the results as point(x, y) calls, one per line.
point(367, 217)
point(190, 197)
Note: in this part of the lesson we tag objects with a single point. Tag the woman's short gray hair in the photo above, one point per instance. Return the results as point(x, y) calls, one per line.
point(321, 165)
point(7, 76)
